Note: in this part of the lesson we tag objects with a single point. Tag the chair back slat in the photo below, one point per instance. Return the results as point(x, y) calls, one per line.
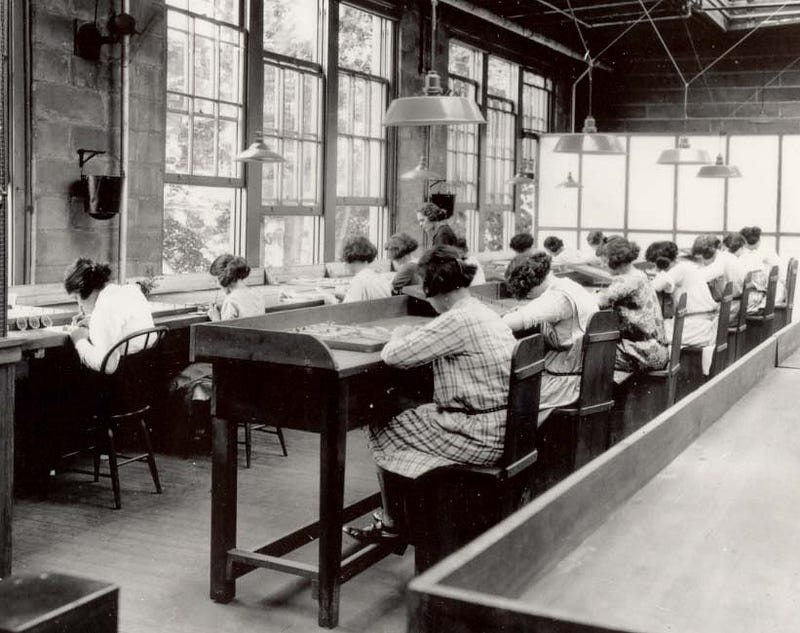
point(724, 317)
point(791, 281)
point(599, 354)
point(527, 365)
point(772, 288)
point(677, 335)
point(741, 318)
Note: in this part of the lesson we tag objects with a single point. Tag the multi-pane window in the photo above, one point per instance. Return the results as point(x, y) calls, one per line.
point(501, 119)
point(205, 110)
point(465, 66)
point(365, 46)
point(537, 100)
point(291, 191)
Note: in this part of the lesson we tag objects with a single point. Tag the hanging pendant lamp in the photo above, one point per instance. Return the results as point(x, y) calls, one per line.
point(421, 172)
point(684, 154)
point(524, 176)
point(433, 107)
point(569, 183)
point(258, 152)
point(719, 170)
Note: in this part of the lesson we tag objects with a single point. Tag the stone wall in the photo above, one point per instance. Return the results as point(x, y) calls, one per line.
point(76, 104)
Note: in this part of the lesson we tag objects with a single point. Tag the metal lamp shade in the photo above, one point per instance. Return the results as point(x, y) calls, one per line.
point(258, 152)
point(569, 183)
point(590, 141)
point(520, 178)
point(684, 154)
point(420, 172)
point(719, 170)
point(432, 110)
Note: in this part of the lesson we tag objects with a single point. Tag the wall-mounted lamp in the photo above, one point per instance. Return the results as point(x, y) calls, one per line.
point(88, 38)
point(101, 195)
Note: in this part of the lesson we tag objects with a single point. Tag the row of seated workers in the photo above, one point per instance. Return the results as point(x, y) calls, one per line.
point(470, 344)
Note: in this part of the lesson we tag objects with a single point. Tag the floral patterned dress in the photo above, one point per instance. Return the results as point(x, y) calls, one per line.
point(643, 346)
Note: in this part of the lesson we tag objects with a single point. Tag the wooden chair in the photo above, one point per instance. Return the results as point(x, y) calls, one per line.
point(783, 310)
point(760, 326)
point(253, 425)
point(575, 434)
point(123, 396)
point(641, 397)
point(691, 369)
point(473, 498)
point(737, 329)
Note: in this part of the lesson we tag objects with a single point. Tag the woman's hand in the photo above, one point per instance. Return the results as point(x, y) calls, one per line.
point(80, 320)
point(78, 334)
point(214, 312)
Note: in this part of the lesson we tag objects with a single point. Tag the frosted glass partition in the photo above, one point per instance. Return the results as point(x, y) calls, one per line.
point(645, 239)
point(685, 240)
point(753, 198)
point(790, 247)
point(557, 206)
point(603, 195)
point(651, 186)
point(701, 201)
point(769, 242)
point(790, 186)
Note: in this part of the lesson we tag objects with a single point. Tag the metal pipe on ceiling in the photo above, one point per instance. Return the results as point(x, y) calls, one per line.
point(561, 11)
point(744, 7)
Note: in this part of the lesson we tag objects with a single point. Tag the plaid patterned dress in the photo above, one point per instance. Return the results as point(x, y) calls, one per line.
point(470, 348)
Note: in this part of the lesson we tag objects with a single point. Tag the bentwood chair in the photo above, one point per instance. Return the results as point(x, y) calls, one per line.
point(473, 498)
point(123, 390)
point(253, 425)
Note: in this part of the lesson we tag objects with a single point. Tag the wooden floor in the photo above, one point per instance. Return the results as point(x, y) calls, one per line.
point(156, 547)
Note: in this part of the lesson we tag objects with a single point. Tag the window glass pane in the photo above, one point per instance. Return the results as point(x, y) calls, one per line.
point(790, 247)
point(197, 226)
point(701, 201)
point(790, 186)
point(752, 199)
point(289, 240)
point(603, 194)
point(222, 10)
point(570, 238)
point(203, 149)
point(177, 58)
point(177, 143)
point(271, 94)
point(360, 220)
point(502, 78)
point(465, 61)
point(493, 231)
point(651, 186)
point(645, 239)
point(359, 40)
point(291, 28)
point(558, 206)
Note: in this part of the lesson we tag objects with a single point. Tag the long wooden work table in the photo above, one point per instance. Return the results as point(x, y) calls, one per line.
point(689, 524)
point(19, 346)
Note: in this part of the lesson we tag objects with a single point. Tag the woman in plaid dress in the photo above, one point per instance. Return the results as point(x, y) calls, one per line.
point(470, 348)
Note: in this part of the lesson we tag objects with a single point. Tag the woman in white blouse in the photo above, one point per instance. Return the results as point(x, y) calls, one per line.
point(108, 313)
point(366, 284)
point(562, 308)
point(240, 301)
point(682, 276)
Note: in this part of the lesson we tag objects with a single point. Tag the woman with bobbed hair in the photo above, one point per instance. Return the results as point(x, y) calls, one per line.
point(719, 267)
point(643, 346)
point(470, 348)
point(678, 276)
point(240, 301)
point(562, 308)
point(758, 259)
point(108, 312)
point(399, 248)
point(366, 284)
point(433, 219)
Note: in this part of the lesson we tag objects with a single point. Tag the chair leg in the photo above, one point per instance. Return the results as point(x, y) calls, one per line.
point(248, 444)
point(114, 468)
point(96, 460)
point(151, 458)
point(279, 433)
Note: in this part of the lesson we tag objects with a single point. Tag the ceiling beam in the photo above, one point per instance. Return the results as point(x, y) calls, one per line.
point(508, 25)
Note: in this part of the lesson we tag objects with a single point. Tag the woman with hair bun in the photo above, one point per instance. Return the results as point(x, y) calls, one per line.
point(433, 219)
point(643, 346)
point(562, 308)
point(366, 284)
point(108, 312)
point(678, 276)
point(470, 348)
point(240, 301)
point(399, 248)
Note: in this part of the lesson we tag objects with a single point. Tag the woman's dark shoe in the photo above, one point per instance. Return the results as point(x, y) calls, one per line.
point(377, 534)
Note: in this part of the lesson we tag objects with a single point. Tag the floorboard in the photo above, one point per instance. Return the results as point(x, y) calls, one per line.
point(156, 547)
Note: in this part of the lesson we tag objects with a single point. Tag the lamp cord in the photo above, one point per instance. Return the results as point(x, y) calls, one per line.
point(433, 34)
point(587, 54)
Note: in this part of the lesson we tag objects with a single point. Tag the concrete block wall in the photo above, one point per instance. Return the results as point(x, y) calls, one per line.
point(645, 94)
point(76, 104)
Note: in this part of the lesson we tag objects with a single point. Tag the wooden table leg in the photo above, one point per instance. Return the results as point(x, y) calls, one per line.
point(223, 506)
point(333, 442)
point(9, 355)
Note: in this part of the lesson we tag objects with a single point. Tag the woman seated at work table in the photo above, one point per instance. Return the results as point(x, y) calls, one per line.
point(108, 312)
point(720, 267)
point(195, 381)
point(759, 260)
point(678, 276)
point(399, 248)
point(643, 344)
point(366, 284)
point(562, 308)
point(470, 348)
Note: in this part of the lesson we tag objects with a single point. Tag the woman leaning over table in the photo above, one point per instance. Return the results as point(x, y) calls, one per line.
point(399, 248)
point(470, 348)
point(366, 284)
point(562, 308)
point(678, 276)
point(108, 312)
point(643, 346)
